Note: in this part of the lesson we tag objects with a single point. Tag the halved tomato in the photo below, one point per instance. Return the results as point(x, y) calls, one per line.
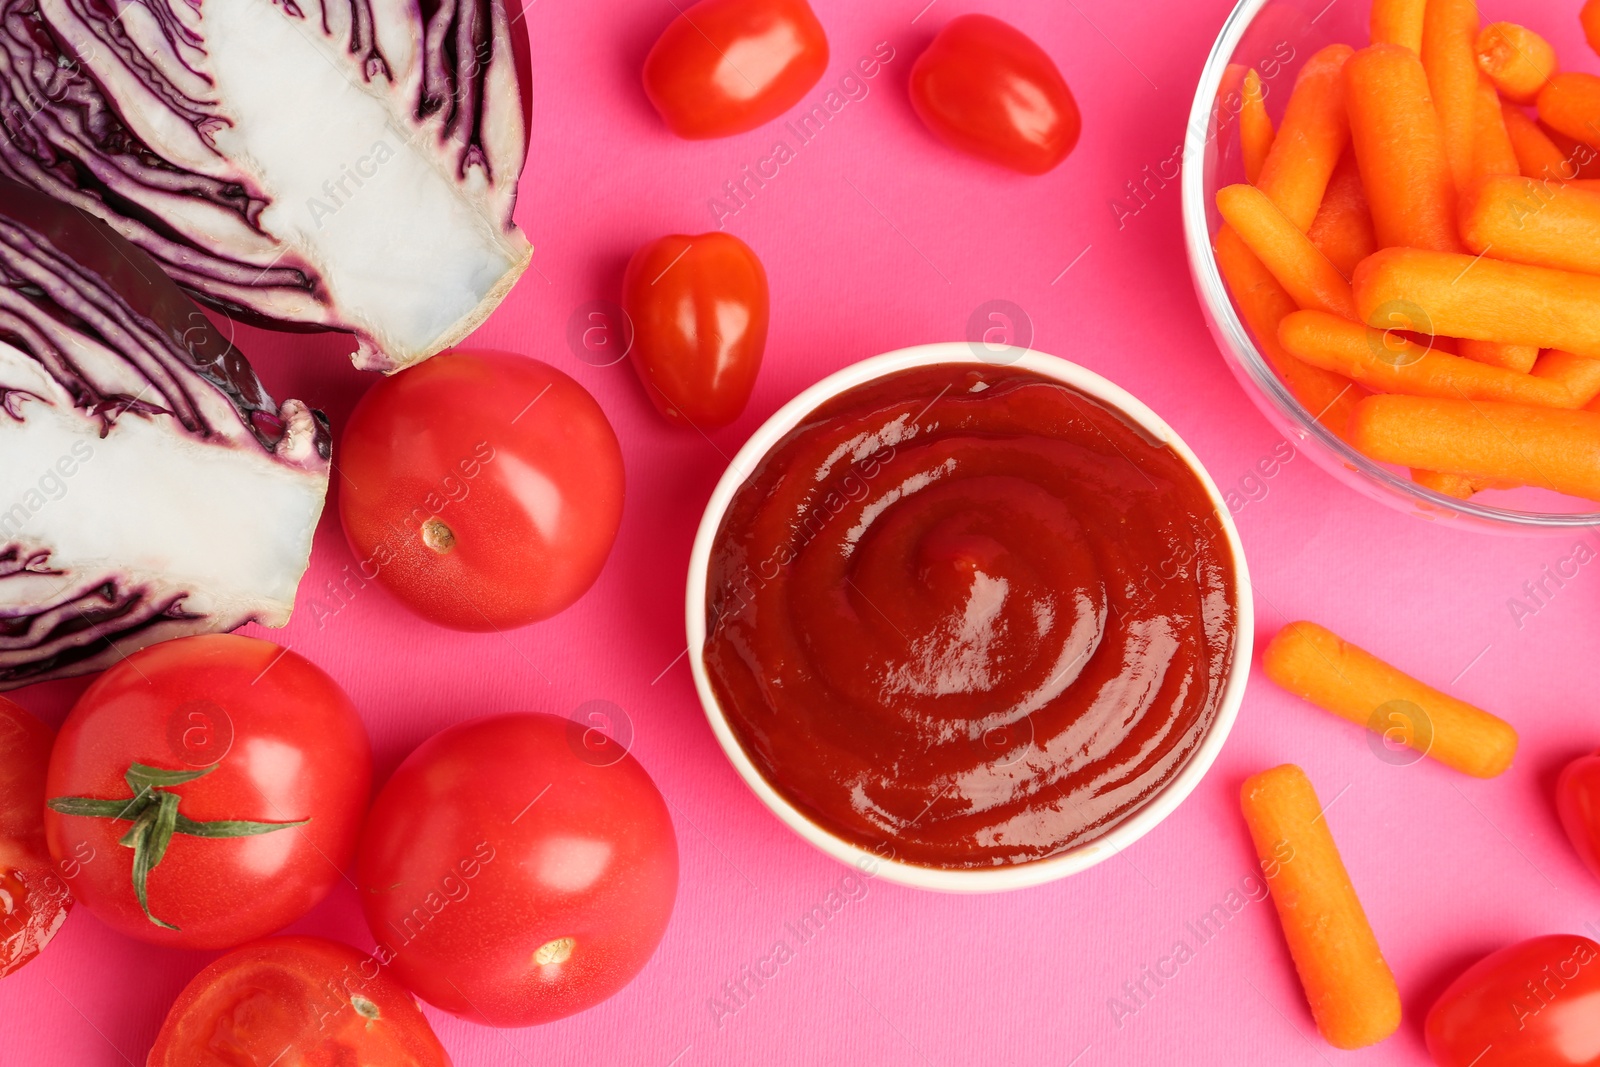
point(300, 1000)
point(33, 899)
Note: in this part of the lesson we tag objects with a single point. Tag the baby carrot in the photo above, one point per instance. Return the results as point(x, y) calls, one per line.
point(1591, 23)
point(1484, 299)
point(1255, 127)
point(1343, 227)
point(1492, 152)
point(1328, 398)
point(1350, 988)
point(1537, 155)
point(1284, 250)
point(1579, 375)
point(1519, 358)
point(1310, 139)
point(1389, 363)
point(1400, 147)
point(1516, 59)
point(1398, 22)
point(1449, 40)
point(1570, 104)
point(1315, 664)
point(1527, 221)
point(1557, 450)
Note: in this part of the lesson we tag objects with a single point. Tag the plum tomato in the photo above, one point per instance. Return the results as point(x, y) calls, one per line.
point(515, 871)
point(207, 791)
point(726, 66)
point(699, 308)
point(33, 899)
point(334, 1006)
point(1578, 803)
point(1533, 1004)
point(986, 88)
point(483, 489)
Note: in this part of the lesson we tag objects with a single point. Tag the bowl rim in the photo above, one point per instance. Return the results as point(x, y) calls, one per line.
point(1216, 301)
point(989, 879)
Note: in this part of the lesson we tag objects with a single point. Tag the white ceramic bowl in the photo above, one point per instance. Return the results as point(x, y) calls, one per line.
point(988, 879)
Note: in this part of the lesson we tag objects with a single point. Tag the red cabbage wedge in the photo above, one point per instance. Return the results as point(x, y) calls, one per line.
point(340, 164)
point(149, 487)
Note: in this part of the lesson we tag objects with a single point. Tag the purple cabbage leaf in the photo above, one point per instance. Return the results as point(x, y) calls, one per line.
point(149, 487)
point(326, 164)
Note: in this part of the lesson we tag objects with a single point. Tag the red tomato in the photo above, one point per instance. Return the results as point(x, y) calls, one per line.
point(1535, 1004)
point(238, 772)
point(989, 90)
point(33, 899)
point(334, 1006)
point(483, 489)
point(1578, 801)
point(726, 66)
point(699, 312)
point(514, 873)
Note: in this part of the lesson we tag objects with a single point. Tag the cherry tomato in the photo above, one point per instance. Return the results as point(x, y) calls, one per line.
point(1534, 1004)
point(517, 869)
point(699, 312)
point(33, 899)
point(989, 90)
point(334, 1006)
point(483, 489)
point(1578, 801)
point(207, 791)
point(726, 66)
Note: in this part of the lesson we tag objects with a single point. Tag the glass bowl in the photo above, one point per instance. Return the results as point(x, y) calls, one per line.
point(1276, 37)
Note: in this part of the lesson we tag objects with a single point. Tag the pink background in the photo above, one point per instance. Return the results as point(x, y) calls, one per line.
point(876, 237)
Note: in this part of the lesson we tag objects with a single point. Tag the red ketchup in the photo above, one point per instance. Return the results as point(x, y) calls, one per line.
point(968, 616)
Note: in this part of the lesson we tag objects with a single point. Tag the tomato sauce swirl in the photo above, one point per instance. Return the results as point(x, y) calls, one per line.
point(970, 616)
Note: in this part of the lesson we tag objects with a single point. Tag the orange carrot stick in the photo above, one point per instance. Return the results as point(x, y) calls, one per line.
point(1449, 42)
point(1537, 155)
point(1310, 139)
point(1529, 221)
point(1493, 154)
point(1285, 250)
point(1350, 988)
point(1516, 59)
point(1579, 375)
point(1484, 299)
point(1343, 227)
point(1570, 104)
point(1400, 147)
point(1255, 127)
point(1519, 358)
point(1591, 23)
point(1557, 450)
point(1263, 303)
point(1316, 664)
point(1389, 363)
point(1398, 22)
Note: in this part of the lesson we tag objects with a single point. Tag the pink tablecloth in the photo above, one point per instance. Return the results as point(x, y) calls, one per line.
point(876, 237)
